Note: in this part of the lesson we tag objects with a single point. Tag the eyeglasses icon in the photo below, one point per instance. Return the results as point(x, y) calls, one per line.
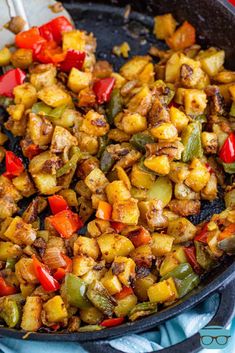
point(220, 340)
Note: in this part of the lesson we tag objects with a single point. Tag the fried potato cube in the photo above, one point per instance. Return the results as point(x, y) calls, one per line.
point(165, 131)
point(132, 68)
point(31, 318)
point(181, 229)
point(96, 180)
point(127, 269)
point(211, 60)
point(74, 40)
point(94, 124)
point(24, 184)
point(198, 176)
point(161, 244)
point(22, 58)
point(86, 246)
point(82, 264)
point(133, 123)
point(164, 26)
point(140, 178)
point(46, 183)
point(159, 164)
point(55, 309)
point(16, 111)
point(112, 245)
point(20, 232)
point(54, 96)
point(178, 118)
point(43, 75)
point(126, 212)
point(25, 94)
point(195, 101)
point(111, 283)
point(79, 80)
point(163, 291)
point(117, 191)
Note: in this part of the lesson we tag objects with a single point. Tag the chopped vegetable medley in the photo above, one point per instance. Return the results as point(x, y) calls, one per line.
point(110, 165)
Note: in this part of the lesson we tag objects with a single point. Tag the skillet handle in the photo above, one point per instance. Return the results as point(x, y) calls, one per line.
point(222, 317)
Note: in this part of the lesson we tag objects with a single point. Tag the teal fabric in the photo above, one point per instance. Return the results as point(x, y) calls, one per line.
point(173, 331)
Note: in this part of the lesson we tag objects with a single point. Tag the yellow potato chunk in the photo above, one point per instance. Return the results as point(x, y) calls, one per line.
point(161, 244)
point(198, 176)
point(140, 178)
point(117, 191)
point(128, 272)
point(82, 264)
point(31, 318)
point(111, 283)
point(73, 40)
point(94, 124)
point(25, 94)
point(86, 246)
point(178, 118)
point(195, 101)
point(159, 164)
point(78, 80)
point(212, 60)
point(96, 181)
point(165, 131)
point(55, 309)
point(162, 291)
point(133, 123)
point(131, 69)
point(54, 96)
point(164, 26)
point(126, 212)
point(112, 245)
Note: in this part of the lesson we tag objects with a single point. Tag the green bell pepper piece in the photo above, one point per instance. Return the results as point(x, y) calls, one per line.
point(114, 106)
point(140, 140)
point(228, 245)
point(103, 141)
point(75, 291)
point(191, 139)
point(6, 101)
point(90, 328)
point(142, 309)
point(203, 256)
point(179, 272)
point(229, 168)
point(232, 110)
point(201, 118)
point(185, 285)
point(9, 312)
point(56, 113)
point(106, 161)
point(10, 263)
point(71, 164)
point(100, 298)
point(41, 107)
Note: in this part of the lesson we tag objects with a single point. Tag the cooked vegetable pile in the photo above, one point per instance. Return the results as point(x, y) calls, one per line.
point(112, 164)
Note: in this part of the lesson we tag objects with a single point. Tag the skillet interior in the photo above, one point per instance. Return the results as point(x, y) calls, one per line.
point(108, 25)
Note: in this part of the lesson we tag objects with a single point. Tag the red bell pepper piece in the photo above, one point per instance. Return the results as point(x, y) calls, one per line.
point(14, 165)
point(61, 271)
point(48, 282)
point(202, 235)
point(31, 151)
point(227, 232)
point(6, 289)
point(139, 237)
point(227, 152)
point(57, 204)
point(112, 322)
point(49, 52)
point(66, 223)
point(10, 80)
point(124, 293)
point(30, 39)
point(74, 58)
point(117, 226)
point(190, 253)
point(53, 29)
point(103, 89)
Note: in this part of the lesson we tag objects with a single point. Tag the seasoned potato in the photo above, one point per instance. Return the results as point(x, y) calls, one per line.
point(24, 184)
point(133, 123)
point(194, 101)
point(112, 245)
point(55, 309)
point(163, 291)
point(43, 75)
point(142, 285)
point(82, 264)
point(22, 58)
point(178, 118)
point(140, 178)
point(211, 60)
point(25, 272)
point(161, 244)
point(20, 232)
point(62, 139)
point(164, 26)
point(111, 283)
point(40, 129)
point(79, 80)
point(5, 56)
point(126, 211)
point(87, 143)
point(159, 164)
point(9, 250)
point(94, 124)
point(133, 67)
point(198, 176)
point(125, 305)
point(86, 246)
point(140, 103)
point(181, 229)
point(125, 269)
point(117, 191)
point(25, 94)
point(165, 131)
point(74, 40)
point(96, 180)
point(16, 111)
point(46, 183)
point(54, 96)
point(31, 318)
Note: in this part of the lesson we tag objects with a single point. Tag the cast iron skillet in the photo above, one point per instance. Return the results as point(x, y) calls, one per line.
point(215, 23)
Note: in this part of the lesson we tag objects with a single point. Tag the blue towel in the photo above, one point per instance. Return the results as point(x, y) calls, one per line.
point(173, 331)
